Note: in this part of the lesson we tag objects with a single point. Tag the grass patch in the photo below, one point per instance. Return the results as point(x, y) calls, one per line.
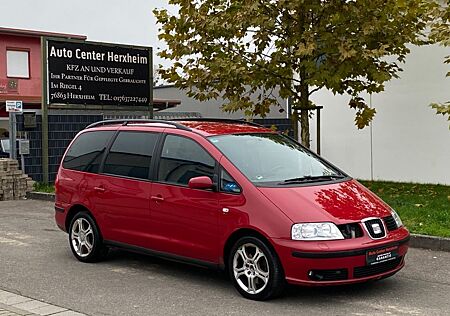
point(423, 208)
point(42, 187)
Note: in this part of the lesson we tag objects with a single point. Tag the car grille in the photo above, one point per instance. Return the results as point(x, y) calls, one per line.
point(328, 275)
point(369, 224)
point(365, 271)
point(390, 223)
point(351, 230)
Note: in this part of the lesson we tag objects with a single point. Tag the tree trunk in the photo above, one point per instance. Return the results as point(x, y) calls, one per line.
point(304, 89)
point(304, 117)
point(304, 124)
point(294, 122)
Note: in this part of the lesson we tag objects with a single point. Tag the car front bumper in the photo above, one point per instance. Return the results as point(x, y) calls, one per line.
point(318, 263)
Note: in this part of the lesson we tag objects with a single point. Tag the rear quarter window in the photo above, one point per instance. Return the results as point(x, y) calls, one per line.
point(87, 151)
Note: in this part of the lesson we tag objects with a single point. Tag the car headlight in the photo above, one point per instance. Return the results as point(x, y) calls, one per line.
point(397, 219)
point(315, 231)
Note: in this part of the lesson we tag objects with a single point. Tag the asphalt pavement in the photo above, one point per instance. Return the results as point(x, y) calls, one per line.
point(35, 261)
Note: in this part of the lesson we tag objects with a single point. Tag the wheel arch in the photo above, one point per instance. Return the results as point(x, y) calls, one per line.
point(239, 233)
point(74, 210)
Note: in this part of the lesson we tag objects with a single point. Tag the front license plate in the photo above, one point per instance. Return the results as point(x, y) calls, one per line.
point(380, 255)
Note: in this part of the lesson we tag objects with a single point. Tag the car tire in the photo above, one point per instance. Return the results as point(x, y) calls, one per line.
point(85, 239)
point(255, 269)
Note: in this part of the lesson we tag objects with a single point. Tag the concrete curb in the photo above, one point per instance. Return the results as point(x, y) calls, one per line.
point(43, 196)
point(416, 241)
point(429, 242)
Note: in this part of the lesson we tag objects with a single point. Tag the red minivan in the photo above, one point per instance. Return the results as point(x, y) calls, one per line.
point(225, 194)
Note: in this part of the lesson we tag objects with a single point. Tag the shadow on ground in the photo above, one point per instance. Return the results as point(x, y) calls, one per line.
point(220, 280)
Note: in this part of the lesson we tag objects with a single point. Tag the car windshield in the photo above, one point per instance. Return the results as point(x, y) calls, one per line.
point(269, 158)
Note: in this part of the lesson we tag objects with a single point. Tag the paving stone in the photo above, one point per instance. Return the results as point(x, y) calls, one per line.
point(7, 313)
point(12, 304)
point(30, 305)
point(47, 310)
point(6, 310)
point(4, 294)
point(14, 299)
point(68, 313)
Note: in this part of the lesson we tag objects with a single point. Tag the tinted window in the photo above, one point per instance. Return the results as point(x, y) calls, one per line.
point(131, 154)
point(183, 159)
point(86, 152)
point(228, 184)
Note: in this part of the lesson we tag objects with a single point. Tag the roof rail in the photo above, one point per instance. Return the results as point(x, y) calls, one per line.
point(220, 120)
point(131, 121)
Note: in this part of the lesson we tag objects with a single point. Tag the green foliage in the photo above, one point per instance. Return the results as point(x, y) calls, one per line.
point(42, 187)
point(242, 50)
point(442, 108)
point(423, 208)
point(440, 33)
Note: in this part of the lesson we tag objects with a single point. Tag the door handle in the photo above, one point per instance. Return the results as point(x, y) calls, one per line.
point(100, 189)
point(157, 198)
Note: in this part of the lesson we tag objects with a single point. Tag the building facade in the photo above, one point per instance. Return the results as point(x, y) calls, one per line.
point(211, 108)
point(20, 69)
point(21, 80)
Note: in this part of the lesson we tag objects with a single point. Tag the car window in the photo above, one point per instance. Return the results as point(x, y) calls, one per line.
point(87, 150)
point(183, 159)
point(131, 154)
point(227, 183)
point(267, 158)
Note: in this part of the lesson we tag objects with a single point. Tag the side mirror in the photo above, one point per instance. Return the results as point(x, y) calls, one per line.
point(202, 182)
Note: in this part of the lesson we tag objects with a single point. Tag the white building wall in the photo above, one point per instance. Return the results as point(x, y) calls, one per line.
point(409, 141)
point(210, 108)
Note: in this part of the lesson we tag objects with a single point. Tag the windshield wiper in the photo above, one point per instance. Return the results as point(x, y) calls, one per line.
point(312, 178)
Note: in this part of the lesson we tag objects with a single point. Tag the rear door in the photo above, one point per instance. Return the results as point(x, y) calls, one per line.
point(184, 220)
point(123, 188)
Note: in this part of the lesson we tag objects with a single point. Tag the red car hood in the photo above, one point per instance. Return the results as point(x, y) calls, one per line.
point(340, 203)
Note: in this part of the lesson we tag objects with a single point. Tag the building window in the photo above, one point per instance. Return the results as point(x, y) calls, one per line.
point(17, 64)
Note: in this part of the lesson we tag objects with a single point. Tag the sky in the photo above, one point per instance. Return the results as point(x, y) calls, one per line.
point(117, 21)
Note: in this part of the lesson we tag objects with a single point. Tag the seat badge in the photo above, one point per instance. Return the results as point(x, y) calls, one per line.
point(376, 228)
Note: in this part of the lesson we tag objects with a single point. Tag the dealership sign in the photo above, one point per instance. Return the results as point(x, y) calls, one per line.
point(91, 73)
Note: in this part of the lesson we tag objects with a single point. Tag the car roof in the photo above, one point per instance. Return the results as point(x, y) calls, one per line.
point(213, 128)
point(204, 127)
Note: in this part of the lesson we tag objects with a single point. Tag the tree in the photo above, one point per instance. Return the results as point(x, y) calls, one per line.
point(237, 48)
point(157, 79)
point(440, 33)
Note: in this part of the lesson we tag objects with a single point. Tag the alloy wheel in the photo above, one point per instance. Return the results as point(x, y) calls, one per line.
point(251, 268)
point(82, 237)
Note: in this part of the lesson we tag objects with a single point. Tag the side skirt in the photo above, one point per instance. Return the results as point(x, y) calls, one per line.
point(164, 255)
